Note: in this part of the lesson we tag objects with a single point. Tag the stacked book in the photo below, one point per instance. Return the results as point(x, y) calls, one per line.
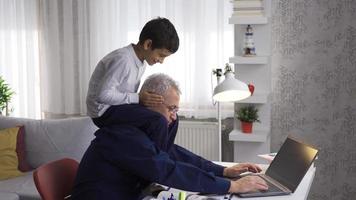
point(248, 7)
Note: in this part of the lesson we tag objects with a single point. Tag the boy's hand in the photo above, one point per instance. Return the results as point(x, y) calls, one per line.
point(150, 99)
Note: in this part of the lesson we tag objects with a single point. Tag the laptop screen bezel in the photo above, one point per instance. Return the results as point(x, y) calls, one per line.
point(270, 171)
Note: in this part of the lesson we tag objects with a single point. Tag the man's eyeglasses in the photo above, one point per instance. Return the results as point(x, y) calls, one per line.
point(172, 108)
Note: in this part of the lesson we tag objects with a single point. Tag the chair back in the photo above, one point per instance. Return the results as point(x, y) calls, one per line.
point(55, 180)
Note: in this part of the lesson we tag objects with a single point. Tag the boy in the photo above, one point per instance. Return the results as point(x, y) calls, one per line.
point(116, 78)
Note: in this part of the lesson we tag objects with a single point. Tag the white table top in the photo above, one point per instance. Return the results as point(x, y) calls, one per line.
point(300, 193)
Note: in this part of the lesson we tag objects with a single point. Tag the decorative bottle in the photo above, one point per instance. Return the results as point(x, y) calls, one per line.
point(249, 45)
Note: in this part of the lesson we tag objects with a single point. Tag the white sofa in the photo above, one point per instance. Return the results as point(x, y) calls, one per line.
point(45, 141)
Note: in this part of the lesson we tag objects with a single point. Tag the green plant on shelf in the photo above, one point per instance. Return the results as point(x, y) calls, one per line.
point(6, 94)
point(248, 114)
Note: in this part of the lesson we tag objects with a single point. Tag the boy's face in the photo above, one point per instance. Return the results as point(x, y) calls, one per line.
point(155, 56)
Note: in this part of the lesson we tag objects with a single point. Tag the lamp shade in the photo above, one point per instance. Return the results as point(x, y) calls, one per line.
point(231, 89)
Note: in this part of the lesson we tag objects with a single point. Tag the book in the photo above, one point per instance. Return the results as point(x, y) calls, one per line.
point(269, 156)
point(248, 4)
point(248, 9)
point(248, 12)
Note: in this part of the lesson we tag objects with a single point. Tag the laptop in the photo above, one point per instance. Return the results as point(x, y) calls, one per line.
point(287, 169)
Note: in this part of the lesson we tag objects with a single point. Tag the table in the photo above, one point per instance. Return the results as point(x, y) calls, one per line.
point(299, 194)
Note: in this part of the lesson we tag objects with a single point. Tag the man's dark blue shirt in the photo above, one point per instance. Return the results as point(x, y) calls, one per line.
point(125, 158)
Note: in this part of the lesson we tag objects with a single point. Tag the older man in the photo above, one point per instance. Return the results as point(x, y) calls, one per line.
point(125, 158)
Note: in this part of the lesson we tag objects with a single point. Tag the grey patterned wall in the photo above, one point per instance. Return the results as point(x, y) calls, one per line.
point(314, 87)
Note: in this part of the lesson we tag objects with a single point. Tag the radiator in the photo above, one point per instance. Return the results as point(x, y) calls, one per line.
point(200, 138)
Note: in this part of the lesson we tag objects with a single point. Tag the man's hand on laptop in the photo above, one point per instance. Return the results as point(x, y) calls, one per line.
point(238, 169)
point(248, 184)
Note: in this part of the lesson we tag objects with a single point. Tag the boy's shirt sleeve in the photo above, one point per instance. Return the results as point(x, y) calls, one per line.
point(117, 75)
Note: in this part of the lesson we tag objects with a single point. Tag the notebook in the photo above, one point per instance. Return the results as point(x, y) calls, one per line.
point(287, 169)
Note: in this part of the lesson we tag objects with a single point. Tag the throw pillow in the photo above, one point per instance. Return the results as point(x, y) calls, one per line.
point(20, 150)
point(8, 157)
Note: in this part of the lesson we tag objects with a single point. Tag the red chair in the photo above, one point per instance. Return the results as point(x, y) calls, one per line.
point(55, 180)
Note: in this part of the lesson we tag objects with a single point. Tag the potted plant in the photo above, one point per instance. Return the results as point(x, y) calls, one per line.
point(247, 115)
point(5, 96)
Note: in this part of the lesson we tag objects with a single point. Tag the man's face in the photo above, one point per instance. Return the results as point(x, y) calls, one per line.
point(170, 106)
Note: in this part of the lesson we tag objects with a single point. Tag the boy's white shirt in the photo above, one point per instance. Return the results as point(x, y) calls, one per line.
point(115, 81)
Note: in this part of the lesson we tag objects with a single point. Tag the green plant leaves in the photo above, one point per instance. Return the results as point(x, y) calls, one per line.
point(248, 114)
point(5, 94)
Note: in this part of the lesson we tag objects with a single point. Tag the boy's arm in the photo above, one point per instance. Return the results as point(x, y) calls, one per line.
point(116, 74)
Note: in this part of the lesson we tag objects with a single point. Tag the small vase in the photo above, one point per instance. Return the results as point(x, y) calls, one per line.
point(246, 127)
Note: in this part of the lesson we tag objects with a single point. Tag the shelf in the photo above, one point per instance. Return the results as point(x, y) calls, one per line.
point(255, 136)
point(255, 60)
point(248, 20)
point(258, 98)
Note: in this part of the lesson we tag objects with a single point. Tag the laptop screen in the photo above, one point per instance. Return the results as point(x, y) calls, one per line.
point(291, 163)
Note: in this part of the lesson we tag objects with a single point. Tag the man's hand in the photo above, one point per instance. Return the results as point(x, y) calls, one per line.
point(248, 184)
point(150, 99)
point(241, 168)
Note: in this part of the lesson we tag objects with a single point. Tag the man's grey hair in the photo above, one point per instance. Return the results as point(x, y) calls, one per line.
point(159, 84)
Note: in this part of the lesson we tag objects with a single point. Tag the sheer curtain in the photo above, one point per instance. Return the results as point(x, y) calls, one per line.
point(75, 34)
point(19, 55)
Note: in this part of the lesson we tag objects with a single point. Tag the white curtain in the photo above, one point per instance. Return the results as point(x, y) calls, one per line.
point(76, 34)
point(19, 55)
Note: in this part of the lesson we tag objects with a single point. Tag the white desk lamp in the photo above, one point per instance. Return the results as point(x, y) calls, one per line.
point(230, 90)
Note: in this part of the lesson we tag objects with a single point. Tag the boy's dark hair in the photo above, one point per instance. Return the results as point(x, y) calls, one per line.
point(162, 33)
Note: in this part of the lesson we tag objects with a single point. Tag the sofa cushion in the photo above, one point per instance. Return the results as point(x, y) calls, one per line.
point(8, 196)
point(45, 141)
point(8, 157)
point(52, 139)
point(23, 186)
point(20, 150)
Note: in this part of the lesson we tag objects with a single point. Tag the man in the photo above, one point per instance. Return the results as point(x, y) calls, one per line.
point(126, 157)
point(117, 76)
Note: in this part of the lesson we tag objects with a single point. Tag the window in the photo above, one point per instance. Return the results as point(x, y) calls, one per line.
point(75, 35)
point(19, 55)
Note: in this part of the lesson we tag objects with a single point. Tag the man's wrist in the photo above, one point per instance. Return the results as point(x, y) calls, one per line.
point(225, 172)
point(232, 188)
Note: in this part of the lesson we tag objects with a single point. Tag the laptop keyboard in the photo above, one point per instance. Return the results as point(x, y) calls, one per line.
point(271, 188)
